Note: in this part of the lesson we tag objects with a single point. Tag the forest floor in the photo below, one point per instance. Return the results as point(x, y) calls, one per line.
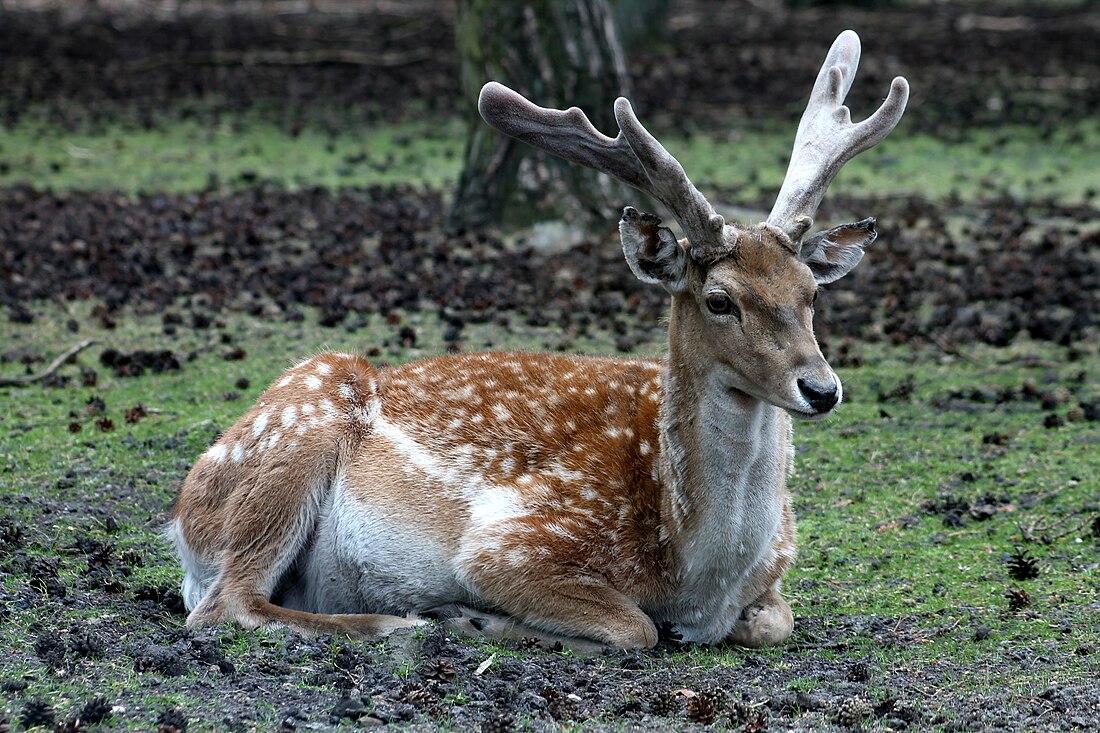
point(947, 577)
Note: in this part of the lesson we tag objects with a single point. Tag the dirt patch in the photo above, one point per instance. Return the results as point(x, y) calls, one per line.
point(1030, 269)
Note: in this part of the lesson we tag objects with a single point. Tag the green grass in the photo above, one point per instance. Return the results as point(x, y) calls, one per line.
point(185, 154)
point(182, 155)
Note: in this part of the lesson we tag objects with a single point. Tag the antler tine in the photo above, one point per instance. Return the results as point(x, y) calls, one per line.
point(633, 156)
point(669, 183)
point(827, 138)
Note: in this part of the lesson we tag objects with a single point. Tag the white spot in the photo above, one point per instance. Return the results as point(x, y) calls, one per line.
point(589, 391)
point(273, 440)
point(260, 425)
point(313, 381)
point(329, 411)
point(290, 414)
point(346, 391)
point(238, 453)
point(500, 412)
point(308, 409)
point(285, 380)
point(300, 430)
point(517, 556)
point(291, 447)
point(570, 425)
point(508, 465)
point(369, 414)
point(525, 479)
point(323, 368)
point(217, 453)
point(644, 448)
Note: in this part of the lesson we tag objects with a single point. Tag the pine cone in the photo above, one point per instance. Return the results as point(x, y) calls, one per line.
point(665, 704)
point(1022, 566)
point(1018, 599)
point(416, 694)
point(95, 711)
point(87, 644)
point(37, 712)
point(440, 669)
point(561, 707)
point(172, 720)
point(701, 709)
point(50, 649)
point(499, 721)
point(740, 712)
point(852, 711)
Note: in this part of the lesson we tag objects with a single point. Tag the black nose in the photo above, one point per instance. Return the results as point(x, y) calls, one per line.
point(821, 397)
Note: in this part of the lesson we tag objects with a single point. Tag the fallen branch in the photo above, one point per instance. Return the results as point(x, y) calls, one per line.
point(48, 371)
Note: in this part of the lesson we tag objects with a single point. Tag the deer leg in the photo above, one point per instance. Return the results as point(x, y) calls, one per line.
point(566, 603)
point(237, 596)
point(767, 621)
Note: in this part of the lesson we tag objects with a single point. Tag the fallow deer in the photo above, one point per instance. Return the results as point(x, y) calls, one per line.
point(585, 499)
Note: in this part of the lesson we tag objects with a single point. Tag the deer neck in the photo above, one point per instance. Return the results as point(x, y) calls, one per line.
point(725, 456)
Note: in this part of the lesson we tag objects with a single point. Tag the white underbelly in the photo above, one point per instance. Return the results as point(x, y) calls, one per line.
point(366, 559)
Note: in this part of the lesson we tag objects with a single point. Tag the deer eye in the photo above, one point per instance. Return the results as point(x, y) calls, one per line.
point(720, 304)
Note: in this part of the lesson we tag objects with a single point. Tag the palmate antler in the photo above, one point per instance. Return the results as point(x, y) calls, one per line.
point(634, 156)
point(827, 138)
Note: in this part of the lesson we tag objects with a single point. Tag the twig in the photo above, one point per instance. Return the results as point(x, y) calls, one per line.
point(1028, 532)
point(48, 371)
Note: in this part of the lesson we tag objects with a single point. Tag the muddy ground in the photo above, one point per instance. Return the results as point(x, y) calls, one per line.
point(1015, 268)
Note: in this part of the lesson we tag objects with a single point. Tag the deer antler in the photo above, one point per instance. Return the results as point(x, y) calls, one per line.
point(827, 138)
point(634, 156)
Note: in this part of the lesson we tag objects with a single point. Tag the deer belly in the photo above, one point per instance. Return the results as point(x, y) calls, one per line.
point(367, 558)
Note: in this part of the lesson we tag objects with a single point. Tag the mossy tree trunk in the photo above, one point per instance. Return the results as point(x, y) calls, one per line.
point(557, 53)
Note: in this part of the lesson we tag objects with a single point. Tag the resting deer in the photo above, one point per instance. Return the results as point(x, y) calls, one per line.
point(584, 499)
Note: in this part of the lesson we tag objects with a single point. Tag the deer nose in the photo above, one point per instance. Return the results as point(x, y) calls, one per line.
point(821, 397)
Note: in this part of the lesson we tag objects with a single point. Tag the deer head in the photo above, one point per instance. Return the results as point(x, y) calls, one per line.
point(742, 296)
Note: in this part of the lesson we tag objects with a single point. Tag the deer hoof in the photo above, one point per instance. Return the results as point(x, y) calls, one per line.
point(763, 625)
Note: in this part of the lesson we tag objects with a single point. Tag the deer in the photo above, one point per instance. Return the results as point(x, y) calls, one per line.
point(580, 500)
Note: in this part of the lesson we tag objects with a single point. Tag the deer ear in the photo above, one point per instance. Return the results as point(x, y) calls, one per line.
point(652, 251)
point(833, 253)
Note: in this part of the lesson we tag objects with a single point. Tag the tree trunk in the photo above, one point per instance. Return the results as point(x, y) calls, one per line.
point(557, 53)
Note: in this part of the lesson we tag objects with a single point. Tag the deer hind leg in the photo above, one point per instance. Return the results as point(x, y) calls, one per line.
point(557, 599)
point(250, 505)
point(472, 622)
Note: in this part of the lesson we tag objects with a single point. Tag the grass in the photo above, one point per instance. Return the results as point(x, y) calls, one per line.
point(342, 149)
point(188, 154)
